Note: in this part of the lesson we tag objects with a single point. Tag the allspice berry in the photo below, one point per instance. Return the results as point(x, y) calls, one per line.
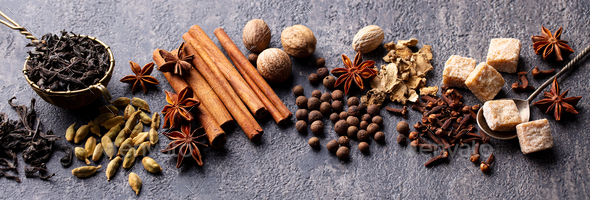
point(301, 126)
point(274, 65)
point(298, 41)
point(366, 117)
point(326, 97)
point(316, 93)
point(334, 117)
point(322, 72)
point(298, 90)
point(314, 142)
point(352, 131)
point(362, 135)
point(373, 110)
point(338, 95)
point(353, 121)
point(325, 108)
point(352, 111)
point(372, 128)
point(343, 115)
point(341, 127)
point(364, 125)
point(342, 153)
point(256, 35)
point(379, 137)
point(313, 79)
point(315, 115)
point(301, 114)
point(253, 57)
point(353, 101)
point(364, 147)
point(401, 139)
point(313, 103)
point(343, 141)
point(378, 120)
point(403, 127)
point(329, 82)
point(332, 146)
point(317, 127)
point(301, 102)
point(337, 106)
point(320, 62)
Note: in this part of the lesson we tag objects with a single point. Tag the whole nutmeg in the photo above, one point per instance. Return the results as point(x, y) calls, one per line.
point(320, 62)
point(315, 115)
point(337, 106)
point(301, 126)
point(316, 93)
point(403, 127)
point(301, 114)
point(352, 121)
point(364, 147)
point(313, 103)
point(253, 57)
point(334, 117)
point(317, 127)
point(341, 127)
point(332, 146)
point(373, 110)
point(313, 79)
point(353, 101)
point(353, 111)
point(338, 95)
point(298, 41)
point(256, 35)
point(343, 141)
point(364, 125)
point(329, 82)
point(322, 72)
point(362, 136)
point(372, 128)
point(343, 115)
point(301, 102)
point(378, 120)
point(298, 90)
point(379, 137)
point(366, 117)
point(325, 108)
point(274, 65)
point(352, 131)
point(326, 97)
point(314, 142)
point(342, 153)
point(368, 39)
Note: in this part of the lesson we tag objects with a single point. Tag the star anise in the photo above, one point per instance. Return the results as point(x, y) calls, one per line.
point(548, 44)
point(356, 72)
point(557, 102)
point(176, 64)
point(141, 78)
point(178, 110)
point(184, 142)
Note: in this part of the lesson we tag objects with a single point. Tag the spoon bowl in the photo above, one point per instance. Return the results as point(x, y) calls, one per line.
point(523, 111)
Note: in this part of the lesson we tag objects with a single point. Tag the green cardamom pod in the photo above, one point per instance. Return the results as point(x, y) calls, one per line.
point(140, 104)
point(71, 132)
point(112, 167)
point(97, 152)
point(143, 149)
point(103, 118)
point(135, 182)
point(136, 130)
point(94, 128)
point(120, 138)
point(130, 124)
point(153, 135)
point(140, 138)
point(81, 133)
point(112, 122)
point(129, 159)
point(145, 118)
point(156, 121)
point(108, 146)
point(129, 110)
point(151, 165)
point(125, 146)
point(109, 109)
point(85, 171)
point(81, 154)
point(121, 101)
point(90, 145)
point(114, 131)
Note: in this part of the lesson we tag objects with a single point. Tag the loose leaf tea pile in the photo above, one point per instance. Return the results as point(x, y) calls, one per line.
point(20, 135)
point(62, 63)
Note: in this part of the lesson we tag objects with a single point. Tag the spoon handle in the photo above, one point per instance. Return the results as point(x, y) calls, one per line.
point(565, 69)
point(13, 25)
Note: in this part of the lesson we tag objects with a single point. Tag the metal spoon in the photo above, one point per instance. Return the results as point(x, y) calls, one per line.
point(523, 105)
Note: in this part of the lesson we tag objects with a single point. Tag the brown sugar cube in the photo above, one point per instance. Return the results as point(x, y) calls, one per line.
point(501, 115)
point(457, 69)
point(484, 82)
point(534, 136)
point(503, 54)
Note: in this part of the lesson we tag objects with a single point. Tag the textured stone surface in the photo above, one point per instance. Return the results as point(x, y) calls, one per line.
point(282, 165)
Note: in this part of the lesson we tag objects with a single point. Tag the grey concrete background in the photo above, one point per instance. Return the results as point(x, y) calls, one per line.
point(282, 166)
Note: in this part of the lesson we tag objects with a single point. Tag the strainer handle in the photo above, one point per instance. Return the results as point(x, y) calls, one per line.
point(105, 93)
point(13, 25)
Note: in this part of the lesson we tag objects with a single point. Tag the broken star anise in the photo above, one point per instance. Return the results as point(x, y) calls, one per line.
point(548, 44)
point(354, 72)
point(141, 78)
point(557, 102)
point(178, 110)
point(176, 64)
point(184, 142)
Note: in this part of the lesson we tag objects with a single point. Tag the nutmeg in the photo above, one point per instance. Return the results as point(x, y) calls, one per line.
point(298, 41)
point(274, 65)
point(368, 39)
point(256, 35)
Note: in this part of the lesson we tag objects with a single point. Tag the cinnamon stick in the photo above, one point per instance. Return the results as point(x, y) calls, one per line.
point(247, 69)
point(233, 77)
point(223, 89)
point(215, 134)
